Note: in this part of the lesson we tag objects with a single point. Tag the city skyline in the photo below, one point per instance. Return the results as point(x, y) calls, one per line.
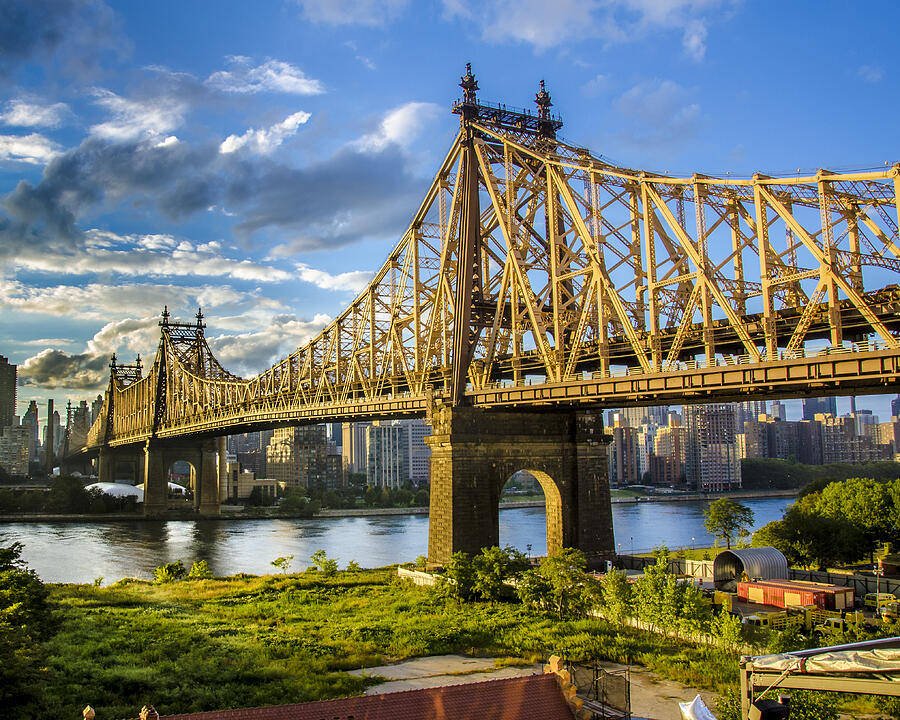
point(263, 166)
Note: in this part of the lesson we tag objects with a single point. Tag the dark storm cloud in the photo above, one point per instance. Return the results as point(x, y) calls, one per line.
point(353, 194)
point(55, 368)
point(77, 31)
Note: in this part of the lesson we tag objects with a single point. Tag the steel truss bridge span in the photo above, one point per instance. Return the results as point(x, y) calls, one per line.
point(536, 274)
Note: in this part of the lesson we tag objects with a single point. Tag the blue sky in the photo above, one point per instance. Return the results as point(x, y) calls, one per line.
point(259, 159)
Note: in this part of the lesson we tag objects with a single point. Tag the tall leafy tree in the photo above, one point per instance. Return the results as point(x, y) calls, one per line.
point(725, 519)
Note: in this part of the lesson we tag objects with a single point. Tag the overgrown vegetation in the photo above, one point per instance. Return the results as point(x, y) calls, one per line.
point(24, 623)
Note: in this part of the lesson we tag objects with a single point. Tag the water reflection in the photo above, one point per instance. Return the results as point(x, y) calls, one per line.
point(80, 552)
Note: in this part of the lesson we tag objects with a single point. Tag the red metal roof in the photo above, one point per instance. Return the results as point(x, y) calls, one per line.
point(535, 697)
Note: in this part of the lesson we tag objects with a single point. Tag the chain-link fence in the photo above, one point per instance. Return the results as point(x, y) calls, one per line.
point(606, 693)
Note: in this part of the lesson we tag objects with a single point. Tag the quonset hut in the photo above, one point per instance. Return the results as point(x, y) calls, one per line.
point(765, 563)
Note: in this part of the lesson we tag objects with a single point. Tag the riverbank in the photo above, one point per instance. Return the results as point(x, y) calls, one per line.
point(236, 512)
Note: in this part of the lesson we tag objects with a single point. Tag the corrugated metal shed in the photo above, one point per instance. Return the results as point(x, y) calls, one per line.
point(765, 562)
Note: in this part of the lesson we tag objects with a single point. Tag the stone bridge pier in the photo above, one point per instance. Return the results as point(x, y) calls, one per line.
point(203, 457)
point(475, 451)
point(120, 465)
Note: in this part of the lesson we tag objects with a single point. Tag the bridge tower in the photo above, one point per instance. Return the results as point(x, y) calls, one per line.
point(474, 451)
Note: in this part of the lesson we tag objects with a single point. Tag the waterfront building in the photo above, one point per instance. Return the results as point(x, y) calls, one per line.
point(16, 448)
point(712, 460)
point(298, 457)
point(387, 453)
point(8, 389)
point(622, 453)
point(669, 449)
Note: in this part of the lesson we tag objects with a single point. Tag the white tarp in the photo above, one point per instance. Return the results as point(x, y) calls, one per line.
point(118, 489)
point(886, 660)
point(695, 710)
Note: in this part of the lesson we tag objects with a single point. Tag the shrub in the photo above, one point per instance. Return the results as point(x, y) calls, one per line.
point(170, 572)
point(199, 571)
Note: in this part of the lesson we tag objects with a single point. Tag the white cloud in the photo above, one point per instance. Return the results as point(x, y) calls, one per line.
point(352, 12)
point(100, 302)
point(271, 76)
point(136, 119)
point(545, 25)
point(871, 73)
point(694, 40)
point(352, 281)
point(168, 142)
point(145, 255)
point(401, 126)
point(596, 86)
point(33, 149)
point(659, 113)
point(25, 114)
point(265, 140)
point(249, 353)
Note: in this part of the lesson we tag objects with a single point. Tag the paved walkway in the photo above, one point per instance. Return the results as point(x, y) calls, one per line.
point(651, 697)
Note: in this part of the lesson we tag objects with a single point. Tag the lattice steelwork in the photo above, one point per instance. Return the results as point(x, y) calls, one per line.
point(535, 272)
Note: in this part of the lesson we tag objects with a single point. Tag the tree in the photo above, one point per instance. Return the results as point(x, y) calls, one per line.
point(616, 592)
point(199, 571)
point(863, 502)
point(725, 518)
point(561, 585)
point(808, 539)
point(493, 567)
point(458, 580)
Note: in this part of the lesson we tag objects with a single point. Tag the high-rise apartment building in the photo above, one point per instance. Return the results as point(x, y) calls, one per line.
point(667, 465)
point(8, 379)
point(16, 448)
point(387, 453)
point(298, 457)
point(713, 459)
point(622, 453)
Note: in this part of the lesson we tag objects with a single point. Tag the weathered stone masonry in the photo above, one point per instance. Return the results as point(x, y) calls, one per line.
point(475, 451)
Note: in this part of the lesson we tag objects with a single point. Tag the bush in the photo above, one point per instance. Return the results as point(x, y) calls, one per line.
point(170, 572)
point(199, 571)
point(324, 564)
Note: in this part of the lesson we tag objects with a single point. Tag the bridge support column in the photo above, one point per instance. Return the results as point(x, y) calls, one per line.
point(120, 465)
point(208, 478)
point(156, 481)
point(475, 451)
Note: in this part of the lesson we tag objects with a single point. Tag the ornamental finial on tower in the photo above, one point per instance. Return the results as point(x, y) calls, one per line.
point(199, 317)
point(112, 361)
point(542, 100)
point(165, 316)
point(469, 85)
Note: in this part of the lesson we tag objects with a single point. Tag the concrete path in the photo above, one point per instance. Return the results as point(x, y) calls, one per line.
point(651, 697)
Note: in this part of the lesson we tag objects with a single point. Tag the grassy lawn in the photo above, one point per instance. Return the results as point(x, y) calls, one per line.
point(245, 641)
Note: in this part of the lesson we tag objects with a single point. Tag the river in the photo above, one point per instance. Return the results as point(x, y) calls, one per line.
point(80, 552)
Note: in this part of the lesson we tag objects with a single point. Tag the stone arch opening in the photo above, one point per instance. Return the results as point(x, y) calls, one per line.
point(182, 473)
point(532, 484)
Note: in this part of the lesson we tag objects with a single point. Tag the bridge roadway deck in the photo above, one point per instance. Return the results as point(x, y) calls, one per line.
point(825, 373)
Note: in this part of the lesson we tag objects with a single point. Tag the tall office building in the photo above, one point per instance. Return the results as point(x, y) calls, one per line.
point(819, 406)
point(353, 447)
point(7, 392)
point(637, 416)
point(895, 407)
point(30, 420)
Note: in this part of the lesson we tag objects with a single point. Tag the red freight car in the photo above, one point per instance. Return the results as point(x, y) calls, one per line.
point(785, 593)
